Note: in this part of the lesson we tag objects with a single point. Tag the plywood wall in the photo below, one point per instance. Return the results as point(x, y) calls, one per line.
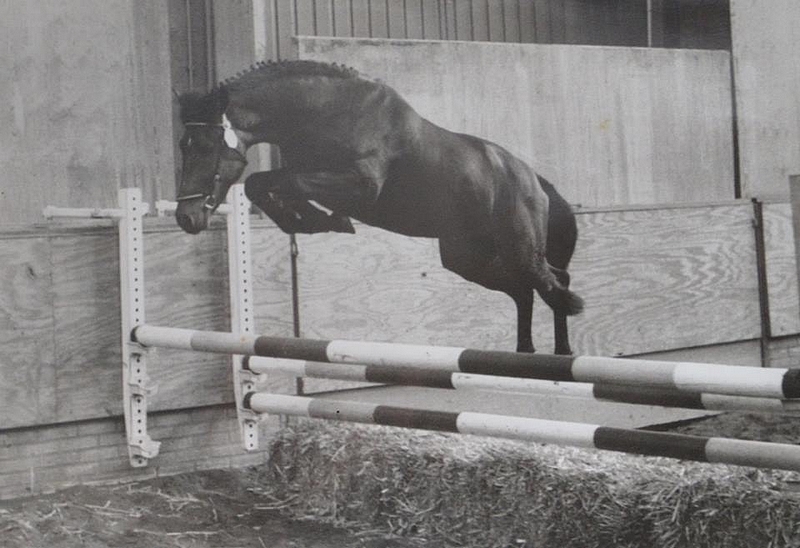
point(59, 317)
point(654, 279)
point(609, 126)
point(87, 104)
point(766, 60)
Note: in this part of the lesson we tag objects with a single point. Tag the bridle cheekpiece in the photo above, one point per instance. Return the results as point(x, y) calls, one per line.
point(232, 141)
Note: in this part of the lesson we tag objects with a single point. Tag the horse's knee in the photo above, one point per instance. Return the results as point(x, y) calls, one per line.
point(255, 188)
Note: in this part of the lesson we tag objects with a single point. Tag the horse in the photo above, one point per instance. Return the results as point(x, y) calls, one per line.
point(353, 148)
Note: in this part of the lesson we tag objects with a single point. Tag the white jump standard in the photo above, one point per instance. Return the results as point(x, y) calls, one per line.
point(694, 377)
point(678, 446)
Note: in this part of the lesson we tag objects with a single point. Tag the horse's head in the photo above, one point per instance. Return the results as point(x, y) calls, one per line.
point(213, 158)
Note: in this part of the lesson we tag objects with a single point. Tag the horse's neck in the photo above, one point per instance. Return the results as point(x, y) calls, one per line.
point(279, 107)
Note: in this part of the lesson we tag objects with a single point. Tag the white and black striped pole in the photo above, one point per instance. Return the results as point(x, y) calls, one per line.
point(678, 446)
point(684, 376)
point(411, 376)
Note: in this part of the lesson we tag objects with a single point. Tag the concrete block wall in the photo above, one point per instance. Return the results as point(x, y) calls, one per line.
point(44, 459)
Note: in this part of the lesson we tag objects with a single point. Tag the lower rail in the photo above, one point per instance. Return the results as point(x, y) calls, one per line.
point(703, 449)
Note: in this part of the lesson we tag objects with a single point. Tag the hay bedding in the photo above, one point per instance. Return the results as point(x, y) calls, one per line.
point(450, 490)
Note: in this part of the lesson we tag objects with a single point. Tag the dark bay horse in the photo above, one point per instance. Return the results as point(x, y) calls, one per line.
point(355, 147)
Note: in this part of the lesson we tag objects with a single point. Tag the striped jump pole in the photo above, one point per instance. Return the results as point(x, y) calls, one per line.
point(410, 376)
point(715, 450)
point(682, 376)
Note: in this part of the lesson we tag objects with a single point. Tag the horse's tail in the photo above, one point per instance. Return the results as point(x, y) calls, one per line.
point(555, 293)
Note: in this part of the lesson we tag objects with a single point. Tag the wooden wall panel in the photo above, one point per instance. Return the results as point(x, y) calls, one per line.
point(784, 302)
point(59, 317)
point(27, 361)
point(87, 87)
point(766, 60)
point(609, 126)
point(656, 279)
point(653, 279)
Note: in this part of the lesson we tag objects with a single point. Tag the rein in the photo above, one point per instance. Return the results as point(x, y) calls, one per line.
point(231, 141)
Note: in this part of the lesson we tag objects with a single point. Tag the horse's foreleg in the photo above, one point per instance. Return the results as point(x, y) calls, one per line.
point(291, 215)
point(350, 192)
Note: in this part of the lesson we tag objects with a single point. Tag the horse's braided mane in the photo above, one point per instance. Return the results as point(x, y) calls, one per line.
point(205, 107)
point(283, 69)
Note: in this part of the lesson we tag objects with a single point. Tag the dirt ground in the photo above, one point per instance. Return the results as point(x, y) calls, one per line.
point(222, 509)
point(206, 509)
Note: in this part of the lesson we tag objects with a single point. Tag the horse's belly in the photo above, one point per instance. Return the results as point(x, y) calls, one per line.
point(404, 209)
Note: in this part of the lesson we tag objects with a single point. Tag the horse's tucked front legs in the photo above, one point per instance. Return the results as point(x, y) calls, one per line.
point(292, 215)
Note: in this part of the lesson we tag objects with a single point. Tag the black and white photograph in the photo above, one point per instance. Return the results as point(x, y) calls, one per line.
point(400, 273)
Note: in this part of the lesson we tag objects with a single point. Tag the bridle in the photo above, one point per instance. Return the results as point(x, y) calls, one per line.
point(210, 201)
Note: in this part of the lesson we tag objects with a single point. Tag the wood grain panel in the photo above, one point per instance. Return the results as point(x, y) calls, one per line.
point(59, 318)
point(609, 126)
point(784, 303)
point(766, 49)
point(27, 361)
point(87, 327)
point(653, 280)
point(665, 278)
point(71, 133)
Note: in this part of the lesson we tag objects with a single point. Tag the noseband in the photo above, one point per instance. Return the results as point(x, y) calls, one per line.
point(231, 141)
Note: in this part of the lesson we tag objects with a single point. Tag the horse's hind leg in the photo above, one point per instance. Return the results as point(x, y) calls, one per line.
point(562, 235)
point(560, 330)
point(476, 261)
point(524, 301)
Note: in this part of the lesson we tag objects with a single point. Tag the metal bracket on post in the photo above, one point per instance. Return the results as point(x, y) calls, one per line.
point(136, 385)
point(241, 302)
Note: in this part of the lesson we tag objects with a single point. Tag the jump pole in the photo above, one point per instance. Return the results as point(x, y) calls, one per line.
point(713, 450)
point(682, 376)
point(408, 376)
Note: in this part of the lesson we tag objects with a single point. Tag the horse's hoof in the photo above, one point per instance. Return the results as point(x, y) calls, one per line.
point(341, 224)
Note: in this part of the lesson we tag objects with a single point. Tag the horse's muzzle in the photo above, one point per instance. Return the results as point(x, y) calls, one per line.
point(191, 224)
